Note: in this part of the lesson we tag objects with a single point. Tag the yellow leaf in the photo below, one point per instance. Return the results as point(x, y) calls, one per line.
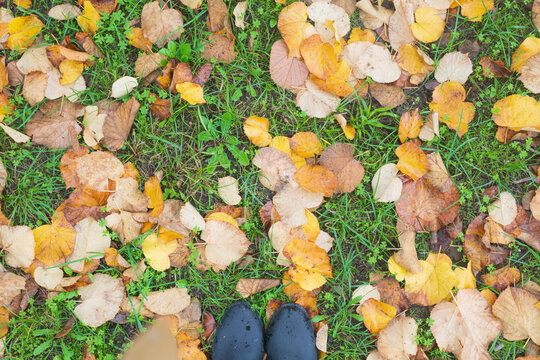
point(412, 160)
point(529, 47)
point(88, 21)
point(221, 216)
point(337, 83)
point(6, 108)
point(464, 277)
point(311, 227)
point(256, 129)
point(53, 243)
point(292, 23)
point(26, 4)
point(429, 25)
point(489, 295)
point(517, 112)
point(410, 60)
point(157, 251)
point(192, 93)
point(377, 315)
point(310, 264)
point(357, 34)
point(71, 70)
point(474, 9)
point(23, 31)
point(396, 270)
point(320, 57)
point(153, 192)
point(348, 129)
point(448, 102)
point(434, 283)
point(281, 143)
point(306, 144)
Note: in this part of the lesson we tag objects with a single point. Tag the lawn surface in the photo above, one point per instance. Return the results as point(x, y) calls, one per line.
point(190, 150)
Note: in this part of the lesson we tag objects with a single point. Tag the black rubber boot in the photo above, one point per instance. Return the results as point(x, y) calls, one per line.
point(290, 335)
point(239, 335)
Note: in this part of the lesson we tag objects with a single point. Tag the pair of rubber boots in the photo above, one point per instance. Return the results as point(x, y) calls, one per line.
point(240, 335)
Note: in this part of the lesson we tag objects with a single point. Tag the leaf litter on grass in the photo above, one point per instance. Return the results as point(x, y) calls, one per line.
point(326, 70)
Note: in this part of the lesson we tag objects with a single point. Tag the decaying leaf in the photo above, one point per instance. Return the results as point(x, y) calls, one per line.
point(502, 278)
point(398, 339)
point(120, 117)
point(248, 287)
point(292, 201)
point(161, 25)
point(389, 96)
point(465, 328)
point(409, 125)
point(53, 243)
point(530, 74)
point(492, 68)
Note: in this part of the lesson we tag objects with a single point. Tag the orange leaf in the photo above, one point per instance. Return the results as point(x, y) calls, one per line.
point(306, 144)
point(188, 347)
point(448, 102)
point(310, 264)
point(377, 315)
point(493, 68)
point(412, 160)
point(292, 23)
point(320, 57)
point(23, 31)
point(292, 290)
point(136, 38)
point(153, 192)
point(6, 108)
point(53, 243)
point(529, 47)
point(357, 34)
point(4, 320)
point(256, 129)
point(316, 178)
point(338, 83)
point(502, 278)
point(409, 125)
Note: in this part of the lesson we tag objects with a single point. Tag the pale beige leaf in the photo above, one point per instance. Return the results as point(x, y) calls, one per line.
point(322, 12)
point(34, 59)
point(123, 86)
point(228, 190)
point(167, 302)
point(101, 300)
point(91, 242)
point(277, 168)
point(239, 13)
point(248, 287)
point(127, 197)
point(454, 66)
point(93, 125)
point(225, 243)
point(64, 12)
point(530, 73)
point(17, 136)
point(291, 203)
point(398, 339)
point(124, 225)
point(48, 278)
point(430, 128)
point(504, 209)
point(324, 241)
point(365, 292)
point(192, 4)
point(18, 242)
point(316, 102)
point(399, 26)
point(321, 340)
point(386, 185)
point(55, 90)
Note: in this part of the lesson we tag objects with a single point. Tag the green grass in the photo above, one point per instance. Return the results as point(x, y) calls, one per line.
point(185, 149)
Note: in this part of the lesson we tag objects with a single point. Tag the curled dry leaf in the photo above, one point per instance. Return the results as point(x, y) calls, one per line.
point(504, 209)
point(448, 102)
point(101, 300)
point(167, 302)
point(494, 68)
point(467, 327)
point(454, 66)
point(287, 72)
point(399, 25)
point(123, 86)
point(316, 102)
point(339, 158)
point(239, 13)
point(398, 339)
point(256, 129)
point(322, 12)
point(412, 160)
point(516, 309)
point(18, 242)
point(409, 125)
point(376, 315)
point(386, 185)
point(348, 129)
point(389, 96)
point(228, 190)
point(248, 287)
point(225, 243)
point(161, 25)
point(277, 168)
point(406, 257)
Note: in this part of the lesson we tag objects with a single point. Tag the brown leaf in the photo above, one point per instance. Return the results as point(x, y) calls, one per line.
point(88, 44)
point(3, 176)
point(425, 208)
point(50, 126)
point(217, 15)
point(220, 48)
point(203, 74)
point(392, 294)
point(339, 158)
point(494, 68)
point(268, 214)
point(118, 123)
point(248, 287)
point(161, 25)
point(389, 96)
point(11, 285)
point(107, 6)
point(147, 63)
point(66, 329)
point(530, 234)
point(287, 72)
point(502, 278)
point(209, 325)
point(161, 108)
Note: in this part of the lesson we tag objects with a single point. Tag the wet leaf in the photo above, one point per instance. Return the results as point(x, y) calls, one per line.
point(502, 278)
